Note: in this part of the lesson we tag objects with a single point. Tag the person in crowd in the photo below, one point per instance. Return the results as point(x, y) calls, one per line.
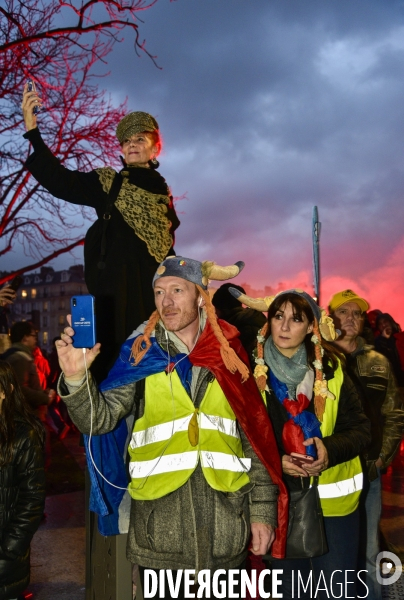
point(390, 343)
point(135, 223)
point(202, 474)
point(247, 320)
point(315, 411)
point(7, 297)
point(57, 410)
point(24, 339)
point(371, 318)
point(22, 489)
point(367, 330)
point(42, 366)
point(373, 377)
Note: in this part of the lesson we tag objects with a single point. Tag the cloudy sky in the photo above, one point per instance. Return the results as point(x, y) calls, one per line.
point(267, 108)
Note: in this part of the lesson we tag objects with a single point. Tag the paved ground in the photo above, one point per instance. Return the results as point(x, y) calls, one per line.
point(58, 548)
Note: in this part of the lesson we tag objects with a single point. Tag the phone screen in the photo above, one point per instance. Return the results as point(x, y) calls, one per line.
point(83, 321)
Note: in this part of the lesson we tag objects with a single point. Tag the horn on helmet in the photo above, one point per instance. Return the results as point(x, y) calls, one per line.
point(261, 304)
point(218, 273)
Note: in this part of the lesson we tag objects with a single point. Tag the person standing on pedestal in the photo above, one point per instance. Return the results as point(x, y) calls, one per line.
point(134, 231)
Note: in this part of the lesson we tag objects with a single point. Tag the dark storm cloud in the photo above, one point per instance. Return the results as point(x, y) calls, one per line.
point(270, 107)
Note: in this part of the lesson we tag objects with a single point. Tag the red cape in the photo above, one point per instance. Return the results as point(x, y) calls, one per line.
point(248, 406)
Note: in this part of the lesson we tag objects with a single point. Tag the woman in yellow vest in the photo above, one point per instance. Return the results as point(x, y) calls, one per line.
point(315, 411)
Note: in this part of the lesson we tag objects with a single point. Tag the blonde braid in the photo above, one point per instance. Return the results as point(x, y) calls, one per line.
point(137, 351)
point(320, 384)
point(261, 370)
point(230, 358)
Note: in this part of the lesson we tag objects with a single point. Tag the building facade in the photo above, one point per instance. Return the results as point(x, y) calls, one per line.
point(44, 298)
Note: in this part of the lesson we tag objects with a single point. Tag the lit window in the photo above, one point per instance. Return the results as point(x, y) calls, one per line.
point(24, 293)
point(46, 305)
point(61, 319)
point(45, 338)
point(33, 293)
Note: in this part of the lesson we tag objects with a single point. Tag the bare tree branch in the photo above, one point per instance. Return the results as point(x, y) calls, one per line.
point(79, 121)
point(40, 263)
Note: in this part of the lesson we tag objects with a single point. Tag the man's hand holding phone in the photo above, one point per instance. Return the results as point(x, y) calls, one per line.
point(71, 359)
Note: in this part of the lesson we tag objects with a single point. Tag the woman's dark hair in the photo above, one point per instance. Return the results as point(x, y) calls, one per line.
point(14, 403)
point(300, 306)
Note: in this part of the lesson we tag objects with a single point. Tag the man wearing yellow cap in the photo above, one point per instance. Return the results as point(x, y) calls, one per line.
point(373, 377)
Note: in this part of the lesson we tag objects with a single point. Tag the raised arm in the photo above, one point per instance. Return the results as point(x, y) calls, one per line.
point(90, 409)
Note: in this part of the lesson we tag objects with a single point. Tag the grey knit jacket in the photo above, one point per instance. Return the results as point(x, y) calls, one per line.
point(194, 527)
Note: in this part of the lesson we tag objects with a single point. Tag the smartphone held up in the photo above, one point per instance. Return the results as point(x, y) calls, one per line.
point(15, 283)
point(32, 88)
point(83, 321)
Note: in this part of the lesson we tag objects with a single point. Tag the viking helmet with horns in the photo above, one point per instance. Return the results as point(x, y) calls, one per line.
point(325, 323)
point(198, 273)
point(323, 328)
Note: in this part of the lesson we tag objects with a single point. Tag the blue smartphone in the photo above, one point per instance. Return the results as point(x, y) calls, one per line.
point(32, 88)
point(83, 321)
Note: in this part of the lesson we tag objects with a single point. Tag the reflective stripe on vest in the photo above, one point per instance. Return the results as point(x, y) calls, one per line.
point(188, 460)
point(158, 433)
point(339, 487)
point(162, 455)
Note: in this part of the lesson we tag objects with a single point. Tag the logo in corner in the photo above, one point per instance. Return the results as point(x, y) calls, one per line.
point(388, 568)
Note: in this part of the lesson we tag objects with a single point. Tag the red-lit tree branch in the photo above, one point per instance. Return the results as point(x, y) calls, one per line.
point(57, 44)
point(40, 263)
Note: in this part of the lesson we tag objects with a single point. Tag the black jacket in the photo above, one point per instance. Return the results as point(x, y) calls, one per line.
point(388, 347)
point(123, 288)
point(22, 500)
point(351, 432)
point(372, 374)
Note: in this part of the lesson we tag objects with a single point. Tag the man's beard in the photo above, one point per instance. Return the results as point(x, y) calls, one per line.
point(186, 318)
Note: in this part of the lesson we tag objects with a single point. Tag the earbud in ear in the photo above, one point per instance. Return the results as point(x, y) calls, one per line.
point(200, 302)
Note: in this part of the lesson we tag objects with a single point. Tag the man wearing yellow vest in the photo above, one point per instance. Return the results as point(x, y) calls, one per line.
point(203, 464)
point(374, 380)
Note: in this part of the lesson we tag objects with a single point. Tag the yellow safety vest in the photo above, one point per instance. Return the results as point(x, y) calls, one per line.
point(339, 487)
point(172, 437)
